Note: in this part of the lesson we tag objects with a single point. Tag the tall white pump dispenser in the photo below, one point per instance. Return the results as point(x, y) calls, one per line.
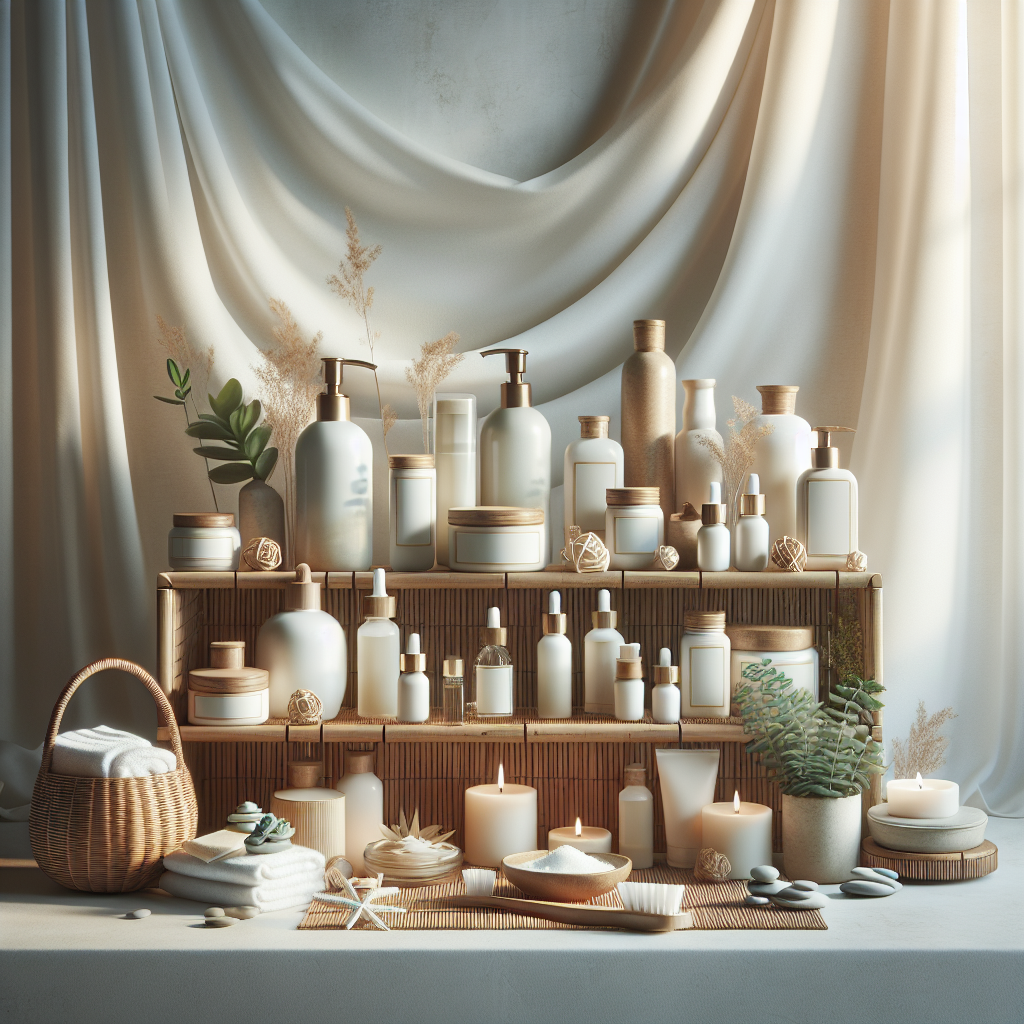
point(515, 447)
point(334, 482)
point(826, 506)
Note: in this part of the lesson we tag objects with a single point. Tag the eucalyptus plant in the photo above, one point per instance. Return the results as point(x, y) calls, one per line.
point(811, 748)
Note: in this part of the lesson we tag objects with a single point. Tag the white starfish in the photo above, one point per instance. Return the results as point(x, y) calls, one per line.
point(359, 907)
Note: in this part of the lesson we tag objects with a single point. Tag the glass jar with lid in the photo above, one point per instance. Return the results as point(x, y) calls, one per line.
point(704, 666)
point(203, 542)
point(790, 648)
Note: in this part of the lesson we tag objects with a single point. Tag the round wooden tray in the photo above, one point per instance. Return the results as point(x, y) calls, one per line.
point(932, 867)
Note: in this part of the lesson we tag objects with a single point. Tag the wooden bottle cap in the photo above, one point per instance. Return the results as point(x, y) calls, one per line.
point(453, 667)
point(594, 426)
point(495, 515)
point(410, 462)
point(649, 335)
point(778, 399)
point(304, 593)
point(227, 654)
point(769, 638)
point(634, 775)
point(623, 497)
point(703, 621)
point(358, 762)
point(205, 520)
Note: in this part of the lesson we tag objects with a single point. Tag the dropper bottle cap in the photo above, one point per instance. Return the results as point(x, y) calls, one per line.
point(303, 593)
point(752, 501)
point(555, 620)
point(379, 605)
point(629, 665)
point(825, 456)
point(604, 617)
point(413, 660)
point(494, 633)
point(665, 671)
point(712, 512)
point(332, 404)
point(515, 394)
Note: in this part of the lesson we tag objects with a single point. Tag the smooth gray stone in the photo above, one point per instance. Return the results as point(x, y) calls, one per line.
point(138, 915)
point(764, 873)
point(870, 875)
point(804, 885)
point(269, 847)
point(236, 818)
point(814, 901)
point(214, 912)
point(766, 888)
point(756, 901)
point(894, 875)
point(241, 913)
point(247, 807)
point(220, 922)
point(861, 887)
point(790, 893)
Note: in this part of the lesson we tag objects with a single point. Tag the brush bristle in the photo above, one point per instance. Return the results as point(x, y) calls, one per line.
point(478, 881)
point(651, 897)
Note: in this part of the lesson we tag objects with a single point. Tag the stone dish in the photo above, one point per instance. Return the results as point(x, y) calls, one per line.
point(963, 831)
point(544, 885)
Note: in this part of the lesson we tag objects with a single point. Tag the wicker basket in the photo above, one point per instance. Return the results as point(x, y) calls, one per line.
point(110, 835)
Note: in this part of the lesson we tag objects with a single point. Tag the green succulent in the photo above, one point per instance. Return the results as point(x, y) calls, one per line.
point(246, 455)
point(812, 748)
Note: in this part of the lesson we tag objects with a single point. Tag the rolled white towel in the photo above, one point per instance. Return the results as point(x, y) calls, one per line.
point(139, 761)
point(281, 895)
point(104, 753)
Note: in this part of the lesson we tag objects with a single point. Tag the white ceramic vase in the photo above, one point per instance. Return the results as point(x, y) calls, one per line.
point(696, 467)
point(821, 837)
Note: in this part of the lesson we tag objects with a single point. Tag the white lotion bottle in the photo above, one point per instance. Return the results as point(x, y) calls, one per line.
point(554, 664)
point(364, 806)
point(753, 541)
point(713, 546)
point(827, 506)
point(378, 646)
point(696, 467)
point(303, 649)
point(334, 482)
point(515, 448)
point(600, 651)
point(629, 684)
point(636, 817)
point(593, 464)
point(665, 697)
point(454, 460)
point(493, 670)
point(413, 684)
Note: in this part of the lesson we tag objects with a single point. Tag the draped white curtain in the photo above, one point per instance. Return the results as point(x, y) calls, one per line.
point(823, 193)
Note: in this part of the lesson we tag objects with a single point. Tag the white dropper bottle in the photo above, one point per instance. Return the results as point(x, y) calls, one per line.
point(629, 684)
point(665, 697)
point(600, 651)
point(713, 546)
point(413, 684)
point(554, 664)
point(752, 540)
point(378, 644)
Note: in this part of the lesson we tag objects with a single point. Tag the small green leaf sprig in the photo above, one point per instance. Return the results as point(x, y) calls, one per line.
point(812, 748)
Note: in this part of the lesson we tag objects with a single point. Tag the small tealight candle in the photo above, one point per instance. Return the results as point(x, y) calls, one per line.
point(922, 798)
point(589, 840)
point(500, 820)
point(741, 831)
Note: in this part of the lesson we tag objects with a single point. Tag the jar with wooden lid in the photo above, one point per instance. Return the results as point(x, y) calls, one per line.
point(790, 648)
point(496, 538)
point(704, 666)
point(228, 692)
point(634, 526)
point(413, 507)
point(203, 542)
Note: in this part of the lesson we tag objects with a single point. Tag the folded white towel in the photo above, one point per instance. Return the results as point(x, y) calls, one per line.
point(248, 869)
point(105, 753)
point(281, 895)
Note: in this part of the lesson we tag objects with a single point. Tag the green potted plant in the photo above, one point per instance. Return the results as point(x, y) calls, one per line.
point(823, 756)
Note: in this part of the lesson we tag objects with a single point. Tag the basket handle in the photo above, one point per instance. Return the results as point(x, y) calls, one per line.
point(162, 703)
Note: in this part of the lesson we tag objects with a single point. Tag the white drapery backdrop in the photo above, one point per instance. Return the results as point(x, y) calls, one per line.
point(816, 192)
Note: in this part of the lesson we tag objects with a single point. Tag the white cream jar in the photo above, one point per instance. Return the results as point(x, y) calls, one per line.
point(228, 693)
point(791, 649)
point(704, 666)
point(634, 526)
point(203, 542)
point(496, 538)
point(413, 498)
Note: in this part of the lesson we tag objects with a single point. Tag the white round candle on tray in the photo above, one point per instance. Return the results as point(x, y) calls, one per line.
point(922, 798)
point(590, 839)
point(500, 819)
point(741, 831)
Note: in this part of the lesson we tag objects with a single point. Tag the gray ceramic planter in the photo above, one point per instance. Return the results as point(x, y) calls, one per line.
point(821, 837)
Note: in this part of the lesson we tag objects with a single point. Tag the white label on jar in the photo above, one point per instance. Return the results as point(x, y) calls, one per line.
point(494, 689)
point(230, 705)
point(498, 548)
point(203, 547)
point(801, 674)
point(592, 481)
point(636, 535)
point(828, 517)
point(414, 511)
point(707, 677)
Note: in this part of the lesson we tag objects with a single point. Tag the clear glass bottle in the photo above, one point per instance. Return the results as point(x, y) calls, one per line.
point(493, 670)
point(378, 647)
point(452, 691)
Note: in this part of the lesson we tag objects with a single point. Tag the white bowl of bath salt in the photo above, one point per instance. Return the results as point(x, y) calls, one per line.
point(566, 875)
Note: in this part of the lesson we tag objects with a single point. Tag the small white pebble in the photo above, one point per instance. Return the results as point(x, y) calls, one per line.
point(214, 912)
point(138, 915)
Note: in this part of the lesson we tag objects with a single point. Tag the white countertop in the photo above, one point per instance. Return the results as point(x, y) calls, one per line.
point(939, 952)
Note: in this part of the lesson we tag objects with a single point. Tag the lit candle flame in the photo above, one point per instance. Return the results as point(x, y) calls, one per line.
point(736, 802)
point(501, 778)
point(920, 781)
point(579, 827)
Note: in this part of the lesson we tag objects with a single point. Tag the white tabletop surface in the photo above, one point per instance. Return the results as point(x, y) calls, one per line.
point(934, 953)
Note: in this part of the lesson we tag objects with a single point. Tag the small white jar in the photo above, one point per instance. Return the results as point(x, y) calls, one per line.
point(413, 498)
point(790, 648)
point(203, 542)
point(634, 526)
point(496, 538)
point(228, 693)
point(704, 666)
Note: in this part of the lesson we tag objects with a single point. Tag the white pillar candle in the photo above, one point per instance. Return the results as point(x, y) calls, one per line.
point(922, 798)
point(500, 820)
point(589, 840)
point(741, 831)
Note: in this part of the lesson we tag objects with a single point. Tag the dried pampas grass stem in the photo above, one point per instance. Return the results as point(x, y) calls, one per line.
point(924, 750)
point(437, 360)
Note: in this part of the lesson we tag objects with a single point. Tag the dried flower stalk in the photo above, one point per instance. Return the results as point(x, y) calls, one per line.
point(388, 418)
point(924, 750)
point(437, 360)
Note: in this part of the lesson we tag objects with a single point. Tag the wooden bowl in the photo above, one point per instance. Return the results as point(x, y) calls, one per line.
point(544, 885)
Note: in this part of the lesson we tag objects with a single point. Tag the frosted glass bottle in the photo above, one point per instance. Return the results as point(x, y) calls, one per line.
point(705, 662)
point(413, 684)
point(493, 670)
point(303, 649)
point(714, 551)
point(334, 483)
point(554, 664)
point(636, 818)
point(600, 651)
point(827, 506)
point(515, 448)
point(753, 541)
point(364, 806)
point(378, 644)
point(593, 464)
point(665, 704)
point(696, 467)
point(629, 684)
point(454, 460)
point(781, 456)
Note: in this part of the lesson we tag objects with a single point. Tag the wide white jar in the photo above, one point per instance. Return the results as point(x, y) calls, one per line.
point(704, 666)
point(413, 496)
point(791, 649)
point(203, 542)
point(496, 538)
point(634, 526)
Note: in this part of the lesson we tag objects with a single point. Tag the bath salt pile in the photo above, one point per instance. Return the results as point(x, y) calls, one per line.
point(567, 860)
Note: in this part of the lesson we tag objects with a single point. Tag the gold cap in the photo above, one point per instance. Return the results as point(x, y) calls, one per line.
point(629, 665)
point(604, 620)
point(666, 673)
point(778, 399)
point(358, 762)
point(303, 593)
point(514, 393)
point(594, 426)
point(453, 666)
point(712, 515)
point(227, 654)
point(410, 462)
point(770, 638)
point(751, 504)
point(825, 456)
point(207, 520)
point(494, 634)
point(332, 404)
point(703, 622)
point(634, 775)
point(623, 497)
point(379, 604)
point(554, 623)
point(649, 335)
point(495, 515)
point(412, 662)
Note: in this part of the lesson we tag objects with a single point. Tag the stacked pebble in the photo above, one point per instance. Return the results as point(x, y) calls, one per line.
point(872, 882)
point(245, 817)
point(766, 888)
point(220, 917)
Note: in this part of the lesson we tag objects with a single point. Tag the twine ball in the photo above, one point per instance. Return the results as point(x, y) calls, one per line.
point(262, 554)
point(304, 708)
point(666, 558)
point(789, 554)
point(711, 866)
point(856, 561)
point(585, 552)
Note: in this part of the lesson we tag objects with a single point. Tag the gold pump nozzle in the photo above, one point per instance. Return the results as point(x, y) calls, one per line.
point(515, 393)
point(332, 404)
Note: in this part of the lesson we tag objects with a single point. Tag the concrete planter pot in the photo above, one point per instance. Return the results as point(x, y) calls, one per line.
point(260, 514)
point(821, 837)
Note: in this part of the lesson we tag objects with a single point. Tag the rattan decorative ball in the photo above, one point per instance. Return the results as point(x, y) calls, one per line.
point(262, 554)
point(666, 557)
point(856, 561)
point(789, 554)
point(304, 708)
point(711, 866)
point(585, 552)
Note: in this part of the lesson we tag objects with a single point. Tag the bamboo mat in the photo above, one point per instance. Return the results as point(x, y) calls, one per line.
point(715, 907)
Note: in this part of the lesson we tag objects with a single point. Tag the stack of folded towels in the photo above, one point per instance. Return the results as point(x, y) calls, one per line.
point(105, 753)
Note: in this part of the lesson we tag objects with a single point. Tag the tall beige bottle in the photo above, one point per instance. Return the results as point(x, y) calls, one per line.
point(649, 413)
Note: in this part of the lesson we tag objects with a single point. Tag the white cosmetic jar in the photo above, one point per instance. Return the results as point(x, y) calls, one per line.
point(203, 542)
point(413, 507)
point(496, 538)
point(790, 648)
point(634, 526)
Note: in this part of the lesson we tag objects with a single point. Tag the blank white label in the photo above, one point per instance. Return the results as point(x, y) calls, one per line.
point(828, 517)
point(592, 480)
point(497, 548)
point(414, 511)
point(636, 535)
point(230, 705)
point(494, 689)
point(707, 677)
point(205, 547)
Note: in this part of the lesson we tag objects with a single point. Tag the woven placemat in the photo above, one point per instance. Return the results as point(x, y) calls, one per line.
point(715, 907)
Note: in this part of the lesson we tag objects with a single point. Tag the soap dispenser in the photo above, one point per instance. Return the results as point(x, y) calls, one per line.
point(377, 654)
point(303, 648)
point(629, 684)
point(554, 664)
point(826, 506)
point(752, 540)
point(493, 670)
point(714, 552)
point(515, 447)
point(600, 649)
point(334, 482)
point(665, 697)
point(413, 684)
